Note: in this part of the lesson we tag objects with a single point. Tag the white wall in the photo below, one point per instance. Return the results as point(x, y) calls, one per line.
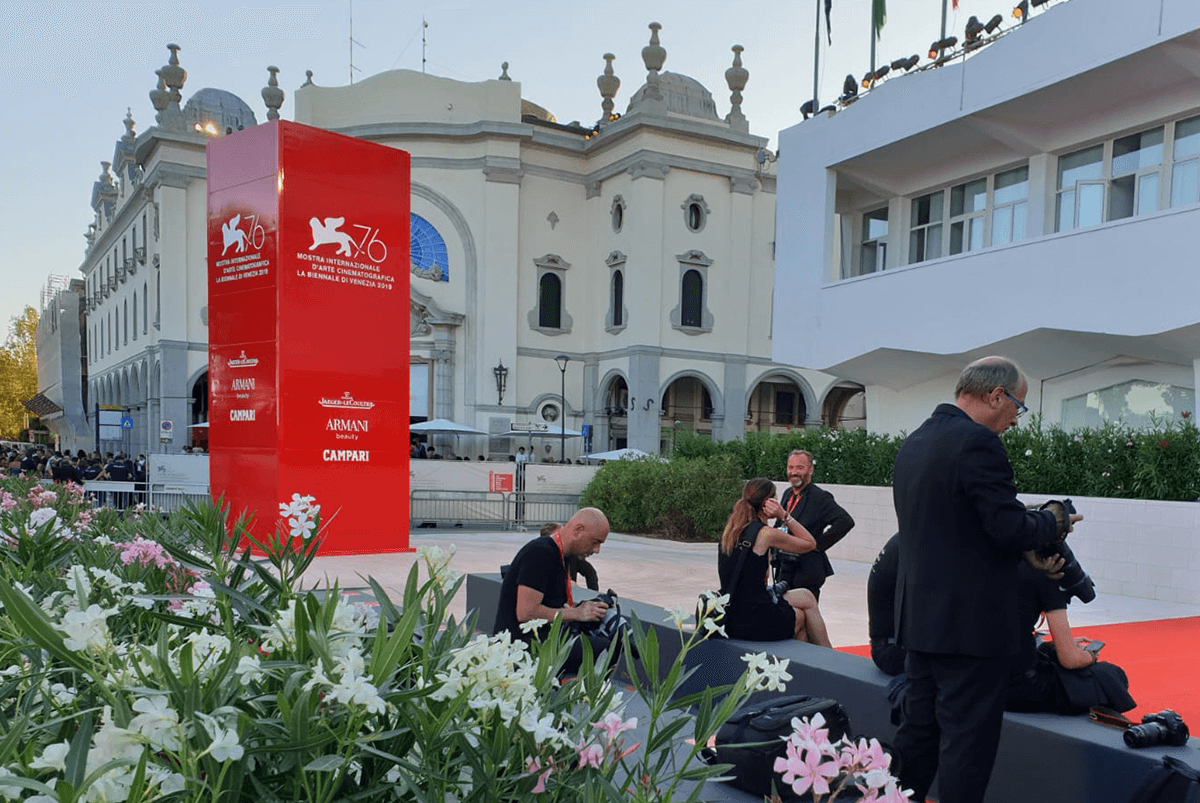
point(1130, 547)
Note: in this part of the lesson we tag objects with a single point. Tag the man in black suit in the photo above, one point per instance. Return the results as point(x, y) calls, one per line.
point(821, 515)
point(962, 533)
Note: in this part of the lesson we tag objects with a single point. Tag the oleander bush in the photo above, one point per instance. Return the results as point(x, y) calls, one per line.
point(685, 498)
point(680, 498)
point(144, 658)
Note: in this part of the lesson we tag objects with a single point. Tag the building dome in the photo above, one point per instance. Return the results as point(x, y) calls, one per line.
point(683, 95)
point(540, 112)
point(224, 110)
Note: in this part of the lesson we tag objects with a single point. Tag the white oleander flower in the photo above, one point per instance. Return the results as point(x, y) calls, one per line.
point(87, 630)
point(226, 747)
point(157, 722)
point(249, 670)
point(765, 673)
point(54, 757)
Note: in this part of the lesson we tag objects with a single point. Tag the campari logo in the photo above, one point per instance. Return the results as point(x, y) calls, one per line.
point(242, 361)
point(346, 401)
point(233, 235)
point(328, 232)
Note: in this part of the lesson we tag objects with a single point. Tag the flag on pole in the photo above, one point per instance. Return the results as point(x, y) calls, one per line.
point(829, 27)
point(879, 15)
point(955, 4)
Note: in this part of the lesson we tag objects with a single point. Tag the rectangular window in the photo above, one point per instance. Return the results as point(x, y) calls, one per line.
point(873, 254)
point(925, 236)
point(785, 407)
point(1136, 161)
point(1079, 204)
point(1185, 174)
point(1009, 201)
point(968, 204)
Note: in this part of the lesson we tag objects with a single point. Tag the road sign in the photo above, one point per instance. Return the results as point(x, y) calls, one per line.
point(165, 431)
point(126, 422)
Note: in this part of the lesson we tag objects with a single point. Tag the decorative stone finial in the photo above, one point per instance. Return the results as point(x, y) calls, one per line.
point(130, 135)
point(654, 56)
point(272, 95)
point(737, 76)
point(307, 78)
point(174, 75)
point(504, 72)
point(160, 97)
point(608, 83)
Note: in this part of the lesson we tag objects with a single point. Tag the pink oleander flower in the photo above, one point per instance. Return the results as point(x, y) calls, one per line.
point(146, 552)
point(612, 725)
point(810, 734)
point(803, 769)
point(41, 496)
point(868, 755)
point(7, 501)
point(590, 755)
point(533, 764)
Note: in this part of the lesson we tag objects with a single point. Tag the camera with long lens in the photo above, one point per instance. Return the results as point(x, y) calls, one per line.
point(777, 590)
point(1162, 727)
point(1075, 581)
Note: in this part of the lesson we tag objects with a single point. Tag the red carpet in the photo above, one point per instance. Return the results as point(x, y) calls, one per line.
point(1161, 658)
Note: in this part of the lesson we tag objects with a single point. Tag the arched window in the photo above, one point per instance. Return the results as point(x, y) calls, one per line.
point(550, 301)
point(125, 319)
point(618, 297)
point(135, 315)
point(145, 310)
point(693, 298)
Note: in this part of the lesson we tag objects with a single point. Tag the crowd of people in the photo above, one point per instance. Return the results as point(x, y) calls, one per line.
point(82, 467)
point(954, 598)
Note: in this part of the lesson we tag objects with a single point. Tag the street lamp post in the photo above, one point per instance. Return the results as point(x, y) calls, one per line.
point(562, 360)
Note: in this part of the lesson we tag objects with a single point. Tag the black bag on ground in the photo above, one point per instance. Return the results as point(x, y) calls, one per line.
point(769, 723)
point(1173, 782)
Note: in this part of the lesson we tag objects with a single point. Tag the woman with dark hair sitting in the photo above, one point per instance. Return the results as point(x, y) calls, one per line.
point(743, 561)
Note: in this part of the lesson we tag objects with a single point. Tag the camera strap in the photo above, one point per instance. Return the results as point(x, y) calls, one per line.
point(1107, 716)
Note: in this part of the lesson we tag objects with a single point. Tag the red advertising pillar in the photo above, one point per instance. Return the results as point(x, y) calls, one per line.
point(308, 297)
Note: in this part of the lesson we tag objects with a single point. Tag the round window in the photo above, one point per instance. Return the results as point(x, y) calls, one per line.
point(618, 217)
point(550, 412)
point(695, 216)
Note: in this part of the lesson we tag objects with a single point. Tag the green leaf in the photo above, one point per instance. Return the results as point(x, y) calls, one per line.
point(329, 762)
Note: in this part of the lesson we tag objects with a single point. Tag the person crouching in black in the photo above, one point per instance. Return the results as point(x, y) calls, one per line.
point(536, 585)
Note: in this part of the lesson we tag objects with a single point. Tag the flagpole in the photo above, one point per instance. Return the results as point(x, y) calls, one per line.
point(872, 37)
point(944, 18)
point(816, 55)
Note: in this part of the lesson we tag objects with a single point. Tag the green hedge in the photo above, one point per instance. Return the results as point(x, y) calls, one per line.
point(691, 495)
point(684, 498)
point(1160, 462)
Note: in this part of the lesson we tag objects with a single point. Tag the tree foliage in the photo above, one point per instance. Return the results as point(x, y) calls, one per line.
point(18, 372)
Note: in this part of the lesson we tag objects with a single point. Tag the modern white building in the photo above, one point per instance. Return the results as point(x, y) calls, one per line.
point(1039, 198)
point(626, 264)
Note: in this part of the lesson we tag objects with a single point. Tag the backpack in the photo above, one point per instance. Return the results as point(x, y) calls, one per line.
point(755, 735)
point(1173, 782)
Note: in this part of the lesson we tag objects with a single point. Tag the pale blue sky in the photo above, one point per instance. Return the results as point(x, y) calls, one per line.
point(72, 68)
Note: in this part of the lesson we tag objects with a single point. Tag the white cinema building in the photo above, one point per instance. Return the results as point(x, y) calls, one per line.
point(1039, 198)
point(629, 263)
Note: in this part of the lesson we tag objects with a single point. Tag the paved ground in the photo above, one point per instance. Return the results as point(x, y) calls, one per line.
point(667, 573)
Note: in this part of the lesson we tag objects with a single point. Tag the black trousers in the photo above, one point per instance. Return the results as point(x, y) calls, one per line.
point(953, 712)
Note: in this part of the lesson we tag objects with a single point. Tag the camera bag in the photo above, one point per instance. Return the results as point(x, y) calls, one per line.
point(755, 735)
point(1173, 782)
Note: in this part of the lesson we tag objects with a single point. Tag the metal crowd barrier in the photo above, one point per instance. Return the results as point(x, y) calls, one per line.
point(169, 498)
point(518, 510)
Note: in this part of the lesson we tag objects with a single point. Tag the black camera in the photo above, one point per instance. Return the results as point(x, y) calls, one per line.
point(1163, 727)
point(1075, 581)
point(777, 590)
